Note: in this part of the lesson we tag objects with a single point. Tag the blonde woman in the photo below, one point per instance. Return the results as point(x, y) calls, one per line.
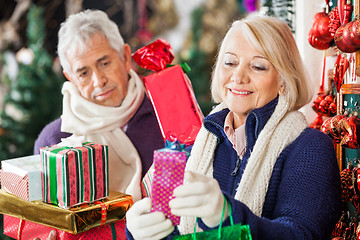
point(279, 176)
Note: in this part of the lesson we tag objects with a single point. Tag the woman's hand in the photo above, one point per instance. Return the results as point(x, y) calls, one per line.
point(201, 197)
point(52, 236)
point(144, 224)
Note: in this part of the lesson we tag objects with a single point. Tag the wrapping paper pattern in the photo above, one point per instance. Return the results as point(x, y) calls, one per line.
point(22, 177)
point(146, 182)
point(169, 166)
point(73, 175)
point(74, 220)
point(26, 230)
point(175, 105)
point(15, 184)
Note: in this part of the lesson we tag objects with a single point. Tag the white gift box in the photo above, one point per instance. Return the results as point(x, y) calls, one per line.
point(22, 177)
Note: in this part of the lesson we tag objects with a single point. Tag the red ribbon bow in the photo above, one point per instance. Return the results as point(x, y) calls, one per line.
point(154, 56)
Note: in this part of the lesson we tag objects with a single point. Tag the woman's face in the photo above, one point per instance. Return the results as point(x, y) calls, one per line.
point(247, 79)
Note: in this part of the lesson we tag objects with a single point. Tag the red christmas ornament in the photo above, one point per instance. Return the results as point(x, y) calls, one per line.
point(348, 8)
point(333, 109)
point(325, 127)
point(316, 103)
point(331, 128)
point(334, 23)
point(345, 11)
point(316, 43)
point(349, 36)
point(355, 33)
point(340, 41)
point(340, 227)
point(319, 35)
point(351, 128)
point(321, 29)
point(340, 68)
point(317, 123)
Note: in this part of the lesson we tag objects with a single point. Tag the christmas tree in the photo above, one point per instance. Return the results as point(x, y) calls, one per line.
point(34, 97)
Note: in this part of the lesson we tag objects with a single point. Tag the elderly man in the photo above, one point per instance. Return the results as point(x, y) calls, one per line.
point(104, 100)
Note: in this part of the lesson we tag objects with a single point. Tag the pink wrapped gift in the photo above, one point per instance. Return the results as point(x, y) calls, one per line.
point(169, 167)
point(25, 230)
point(74, 175)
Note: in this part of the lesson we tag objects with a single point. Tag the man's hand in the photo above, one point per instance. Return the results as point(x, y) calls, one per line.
point(201, 197)
point(146, 225)
point(52, 236)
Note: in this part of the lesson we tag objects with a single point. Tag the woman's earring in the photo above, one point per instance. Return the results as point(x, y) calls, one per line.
point(282, 90)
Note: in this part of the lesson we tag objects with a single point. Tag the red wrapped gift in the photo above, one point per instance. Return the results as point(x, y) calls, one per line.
point(25, 230)
point(171, 93)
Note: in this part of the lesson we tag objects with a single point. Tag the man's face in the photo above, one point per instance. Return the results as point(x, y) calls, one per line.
point(99, 73)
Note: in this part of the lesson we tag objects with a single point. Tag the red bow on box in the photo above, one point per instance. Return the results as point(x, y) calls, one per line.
point(154, 56)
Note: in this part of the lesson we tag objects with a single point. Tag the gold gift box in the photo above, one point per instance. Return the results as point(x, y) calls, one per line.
point(74, 220)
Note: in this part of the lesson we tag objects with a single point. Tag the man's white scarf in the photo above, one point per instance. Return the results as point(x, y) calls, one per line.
point(282, 128)
point(101, 124)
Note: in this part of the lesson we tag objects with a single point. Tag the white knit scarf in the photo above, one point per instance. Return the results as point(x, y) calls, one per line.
point(101, 124)
point(282, 128)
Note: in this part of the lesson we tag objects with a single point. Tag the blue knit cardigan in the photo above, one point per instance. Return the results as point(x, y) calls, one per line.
point(303, 200)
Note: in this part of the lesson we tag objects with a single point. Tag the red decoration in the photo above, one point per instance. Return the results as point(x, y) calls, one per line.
point(331, 128)
point(325, 105)
point(355, 30)
point(154, 56)
point(317, 123)
point(334, 23)
point(340, 227)
point(321, 28)
point(316, 43)
point(351, 127)
point(345, 10)
point(341, 40)
point(346, 184)
point(319, 35)
point(351, 31)
point(340, 68)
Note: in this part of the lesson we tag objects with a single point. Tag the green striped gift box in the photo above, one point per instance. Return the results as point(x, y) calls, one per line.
point(74, 175)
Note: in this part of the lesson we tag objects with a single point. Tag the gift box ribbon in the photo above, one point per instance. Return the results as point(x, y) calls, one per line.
point(176, 146)
point(157, 56)
point(103, 212)
point(154, 56)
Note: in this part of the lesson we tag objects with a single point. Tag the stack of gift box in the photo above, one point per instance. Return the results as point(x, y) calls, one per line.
point(64, 189)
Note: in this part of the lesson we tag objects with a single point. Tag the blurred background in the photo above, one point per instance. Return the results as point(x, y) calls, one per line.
point(31, 77)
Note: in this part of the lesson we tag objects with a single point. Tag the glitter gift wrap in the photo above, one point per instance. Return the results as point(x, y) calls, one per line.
point(22, 177)
point(170, 92)
point(169, 167)
point(25, 230)
point(74, 175)
point(74, 220)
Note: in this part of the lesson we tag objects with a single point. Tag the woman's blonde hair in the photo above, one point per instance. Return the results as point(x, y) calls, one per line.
point(273, 38)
